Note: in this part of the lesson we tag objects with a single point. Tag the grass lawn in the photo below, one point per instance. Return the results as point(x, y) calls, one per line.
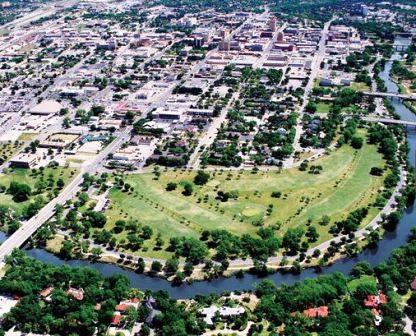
point(7, 150)
point(365, 279)
point(360, 86)
point(343, 186)
point(26, 176)
point(322, 108)
point(27, 136)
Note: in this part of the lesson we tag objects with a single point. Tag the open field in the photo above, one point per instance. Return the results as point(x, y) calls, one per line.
point(25, 136)
point(63, 137)
point(26, 176)
point(7, 150)
point(343, 186)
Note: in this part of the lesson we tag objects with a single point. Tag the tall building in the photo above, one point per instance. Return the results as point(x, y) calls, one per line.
point(198, 41)
point(364, 10)
point(224, 45)
point(272, 24)
point(224, 33)
point(280, 37)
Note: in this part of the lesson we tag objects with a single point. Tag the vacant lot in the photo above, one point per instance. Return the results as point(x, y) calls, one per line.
point(343, 185)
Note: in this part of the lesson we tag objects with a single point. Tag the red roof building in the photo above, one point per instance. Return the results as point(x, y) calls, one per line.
point(375, 312)
point(46, 292)
point(116, 320)
point(122, 307)
point(373, 301)
point(316, 312)
point(77, 294)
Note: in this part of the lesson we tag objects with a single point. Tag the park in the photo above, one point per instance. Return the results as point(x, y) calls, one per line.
point(241, 201)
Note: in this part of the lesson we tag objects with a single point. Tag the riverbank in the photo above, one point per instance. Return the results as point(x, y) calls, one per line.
point(278, 263)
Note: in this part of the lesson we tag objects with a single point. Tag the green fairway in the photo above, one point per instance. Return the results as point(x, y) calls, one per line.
point(343, 186)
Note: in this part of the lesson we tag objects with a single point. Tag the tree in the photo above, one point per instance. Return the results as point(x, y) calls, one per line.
point(140, 265)
point(376, 171)
point(171, 265)
point(66, 123)
point(171, 186)
point(266, 287)
point(60, 183)
point(311, 107)
point(145, 330)
point(119, 226)
point(156, 266)
point(188, 269)
point(147, 232)
point(179, 278)
point(201, 177)
point(95, 219)
point(325, 220)
point(188, 189)
point(312, 234)
point(65, 251)
point(357, 142)
point(291, 240)
point(19, 191)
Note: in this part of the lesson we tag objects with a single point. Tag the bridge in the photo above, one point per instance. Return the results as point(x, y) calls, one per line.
point(390, 121)
point(390, 95)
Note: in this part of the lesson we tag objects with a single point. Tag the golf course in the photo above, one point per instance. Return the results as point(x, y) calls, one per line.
point(282, 200)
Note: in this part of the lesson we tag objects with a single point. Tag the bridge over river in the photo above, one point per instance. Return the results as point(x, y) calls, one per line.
point(390, 95)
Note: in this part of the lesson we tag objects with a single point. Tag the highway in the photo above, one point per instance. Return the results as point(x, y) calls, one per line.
point(29, 227)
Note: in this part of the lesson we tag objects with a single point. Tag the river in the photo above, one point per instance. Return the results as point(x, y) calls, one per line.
point(373, 256)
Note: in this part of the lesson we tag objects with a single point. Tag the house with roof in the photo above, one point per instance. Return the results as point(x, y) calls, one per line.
point(46, 293)
point(373, 301)
point(321, 311)
point(116, 319)
point(224, 312)
point(77, 294)
point(377, 316)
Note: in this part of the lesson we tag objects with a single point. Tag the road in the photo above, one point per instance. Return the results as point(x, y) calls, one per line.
point(210, 135)
point(29, 227)
point(315, 67)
